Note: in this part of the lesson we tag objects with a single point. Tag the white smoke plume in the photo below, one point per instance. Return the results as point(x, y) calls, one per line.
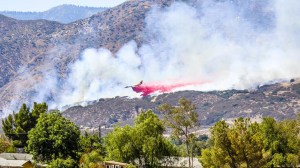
point(220, 42)
point(230, 44)
point(99, 74)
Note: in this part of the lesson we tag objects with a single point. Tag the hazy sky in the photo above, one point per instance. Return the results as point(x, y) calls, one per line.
point(42, 5)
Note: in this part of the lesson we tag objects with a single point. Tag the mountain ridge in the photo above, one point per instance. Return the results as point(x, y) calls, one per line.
point(30, 51)
point(63, 13)
point(36, 48)
point(279, 100)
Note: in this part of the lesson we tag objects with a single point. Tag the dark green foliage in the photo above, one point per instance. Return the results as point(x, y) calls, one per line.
point(281, 141)
point(91, 160)
point(8, 126)
point(91, 143)
point(220, 153)
point(93, 149)
point(54, 137)
point(37, 110)
point(22, 120)
point(202, 138)
point(144, 142)
point(17, 125)
point(200, 143)
point(62, 163)
point(236, 146)
point(246, 144)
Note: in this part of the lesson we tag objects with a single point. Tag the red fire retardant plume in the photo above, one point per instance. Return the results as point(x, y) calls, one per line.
point(147, 89)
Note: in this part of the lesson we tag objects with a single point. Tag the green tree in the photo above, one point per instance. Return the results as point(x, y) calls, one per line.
point(91, 160)
point(17, 125)
point(90, 143)
point(130, 166)
point(281, 141)
point(221, 153)
point(54, 137)
point(144, 142)
point(37, 110)
point(62, 163)
point(246, 141)
point(93, 151)
point(293, 160)
point(8, 126)
point(238, 146)
point(6, 144)
point(246, 144)
point(120, 146)
point(182, 119)
point(22, 124)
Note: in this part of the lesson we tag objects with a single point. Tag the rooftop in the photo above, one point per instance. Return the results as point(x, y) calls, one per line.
point(12, 163)
point(16, 156)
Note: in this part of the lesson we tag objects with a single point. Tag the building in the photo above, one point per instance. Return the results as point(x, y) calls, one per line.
point(113, 164)
point(180, 162)
point(17, 160)
point(16, 156)
point(15, 163)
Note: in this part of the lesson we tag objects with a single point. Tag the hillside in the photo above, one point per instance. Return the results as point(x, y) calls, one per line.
point(36, 52)
point(62, 13)
point(20, 42)
point(33, 48)
point(280, 100)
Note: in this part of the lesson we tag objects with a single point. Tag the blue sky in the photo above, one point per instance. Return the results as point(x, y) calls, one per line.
point(42, 5)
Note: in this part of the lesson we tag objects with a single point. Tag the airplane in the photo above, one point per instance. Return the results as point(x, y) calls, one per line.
point(141, 82)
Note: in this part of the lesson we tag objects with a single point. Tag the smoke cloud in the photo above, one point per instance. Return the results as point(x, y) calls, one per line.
point(228, 44)
point(231, 44)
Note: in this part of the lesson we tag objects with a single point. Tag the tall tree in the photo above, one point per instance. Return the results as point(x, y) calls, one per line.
point(54, 137)
point(17, 125)
point(144, 142)
point(281, 141)
point(8, 126)
point(182, 119)
point(37, 110)
point(246, 144)
point(237, 146)
point(91, 143)
point(221, 153)
point(246, 141)
point(93, 151)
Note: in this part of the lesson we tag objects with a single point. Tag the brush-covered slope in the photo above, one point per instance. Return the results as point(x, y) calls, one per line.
point(32, 51)
point(29, 49)
point(20, 42)
point(280, 100)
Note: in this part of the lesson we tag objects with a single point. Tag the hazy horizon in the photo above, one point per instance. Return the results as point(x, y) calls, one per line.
point(33, 6)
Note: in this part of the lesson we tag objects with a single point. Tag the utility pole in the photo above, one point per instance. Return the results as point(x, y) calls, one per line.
point(99, 133)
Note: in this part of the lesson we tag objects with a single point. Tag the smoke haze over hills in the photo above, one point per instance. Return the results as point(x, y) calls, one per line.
point(229, 44)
